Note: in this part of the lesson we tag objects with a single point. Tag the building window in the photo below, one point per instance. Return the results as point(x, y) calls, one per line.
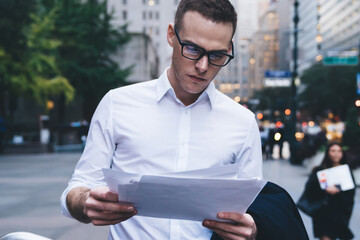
point(124, 2)
point(150, 31)
point(151, 3)
point(124, 15)
point(144, 15)
point(150, 15)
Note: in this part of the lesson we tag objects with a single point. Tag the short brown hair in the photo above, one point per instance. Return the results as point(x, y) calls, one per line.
point(220, 11)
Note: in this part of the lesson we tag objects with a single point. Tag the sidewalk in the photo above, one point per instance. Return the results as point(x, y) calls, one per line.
point(31, 185)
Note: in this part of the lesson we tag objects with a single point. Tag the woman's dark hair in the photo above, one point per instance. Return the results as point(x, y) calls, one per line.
point(326, 162)
point(219, 11)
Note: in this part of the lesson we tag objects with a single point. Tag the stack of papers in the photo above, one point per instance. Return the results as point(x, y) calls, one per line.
point(191, 195)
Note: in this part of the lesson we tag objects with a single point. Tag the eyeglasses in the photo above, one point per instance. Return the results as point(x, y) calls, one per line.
point(217, 58)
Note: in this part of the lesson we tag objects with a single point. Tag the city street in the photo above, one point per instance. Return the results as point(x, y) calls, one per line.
point(31, 185)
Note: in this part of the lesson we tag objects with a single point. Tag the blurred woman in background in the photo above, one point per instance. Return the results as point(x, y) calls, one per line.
point(331, 221)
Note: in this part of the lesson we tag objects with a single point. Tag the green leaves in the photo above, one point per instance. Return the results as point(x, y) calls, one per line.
point(328, 89)
point(59, 47)
point(88, 41)
point(34, 72)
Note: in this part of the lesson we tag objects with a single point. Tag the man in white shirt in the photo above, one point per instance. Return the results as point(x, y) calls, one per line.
point(176, 123)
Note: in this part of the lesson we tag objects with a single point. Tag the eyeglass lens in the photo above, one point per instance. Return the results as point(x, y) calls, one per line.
point(195, 53)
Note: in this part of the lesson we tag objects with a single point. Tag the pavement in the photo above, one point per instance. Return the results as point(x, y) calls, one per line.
point(31, 185)
point(30, 189)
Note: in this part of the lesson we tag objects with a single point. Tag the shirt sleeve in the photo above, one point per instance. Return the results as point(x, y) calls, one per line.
point(97, 153)
point(250, 156)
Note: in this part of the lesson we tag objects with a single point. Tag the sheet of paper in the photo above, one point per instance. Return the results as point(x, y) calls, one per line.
point(339, 175)
point(229, 171)
point(183, 197)
point(115, 177)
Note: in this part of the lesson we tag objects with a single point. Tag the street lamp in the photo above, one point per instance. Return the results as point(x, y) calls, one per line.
point(292, 126)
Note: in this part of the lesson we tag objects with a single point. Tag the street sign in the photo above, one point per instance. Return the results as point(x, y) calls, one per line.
point(277, 74)
point(277, 82)
point(358, 83)
point(277, 78)
point(341, 60)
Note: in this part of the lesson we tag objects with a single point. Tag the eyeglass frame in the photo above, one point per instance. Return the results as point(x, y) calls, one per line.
point(204, 52)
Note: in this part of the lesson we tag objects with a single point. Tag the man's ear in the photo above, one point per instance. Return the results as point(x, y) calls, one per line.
point(170, 34)
point(230, 48)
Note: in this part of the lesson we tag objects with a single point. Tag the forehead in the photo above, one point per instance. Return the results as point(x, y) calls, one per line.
point(335, 148)
point(204, 32)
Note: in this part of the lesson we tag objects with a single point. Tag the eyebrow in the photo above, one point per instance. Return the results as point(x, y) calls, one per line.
point(195, 45)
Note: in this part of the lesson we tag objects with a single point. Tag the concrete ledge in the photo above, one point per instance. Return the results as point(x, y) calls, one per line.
point(68, 148)
point(25, 148)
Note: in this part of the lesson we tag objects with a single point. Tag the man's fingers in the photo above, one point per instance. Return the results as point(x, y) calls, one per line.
point(103, 193)
point(109, 216)
point(227, 235)
point(92, 203)
point(242, 219)
point(242, 226)
point(97, 222)
point(103, 208)
point(230, 228)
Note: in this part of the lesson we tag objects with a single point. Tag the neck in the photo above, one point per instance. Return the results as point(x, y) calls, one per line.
point(185, 97)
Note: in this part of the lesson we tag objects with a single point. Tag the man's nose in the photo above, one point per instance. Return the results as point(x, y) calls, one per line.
point(202, 64)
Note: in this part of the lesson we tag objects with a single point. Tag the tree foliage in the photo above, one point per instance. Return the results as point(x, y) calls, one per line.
point(273, 98)
point(352, 128)
point(328, 88)
point(89, 39)
point(14, 18)
point(52, 47)
point(28, 60)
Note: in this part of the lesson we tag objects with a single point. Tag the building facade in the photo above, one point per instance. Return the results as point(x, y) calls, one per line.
point(140, 55)
point(309, 38)
point(270, 48)
point(339, 25)
point(233, 80)
point(327, 26)
point(148, 17)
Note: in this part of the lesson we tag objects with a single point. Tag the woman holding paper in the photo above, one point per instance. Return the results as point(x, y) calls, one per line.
point(332, 220)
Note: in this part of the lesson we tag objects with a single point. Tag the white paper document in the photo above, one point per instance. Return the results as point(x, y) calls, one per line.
point(193, 195)
point(339, 175)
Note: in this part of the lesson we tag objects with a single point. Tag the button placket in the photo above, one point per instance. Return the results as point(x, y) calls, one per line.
point(184, 134)
point(175, 229)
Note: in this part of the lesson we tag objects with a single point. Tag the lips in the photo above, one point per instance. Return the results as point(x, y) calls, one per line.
point(198, 79)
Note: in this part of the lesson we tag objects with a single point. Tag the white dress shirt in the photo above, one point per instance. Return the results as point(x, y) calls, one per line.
point(143, 128)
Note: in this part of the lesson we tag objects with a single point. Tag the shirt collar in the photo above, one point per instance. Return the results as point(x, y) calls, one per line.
point(164, 86)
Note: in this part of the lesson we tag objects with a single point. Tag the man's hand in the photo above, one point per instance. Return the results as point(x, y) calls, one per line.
point(99, 206)
point(242, 226)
